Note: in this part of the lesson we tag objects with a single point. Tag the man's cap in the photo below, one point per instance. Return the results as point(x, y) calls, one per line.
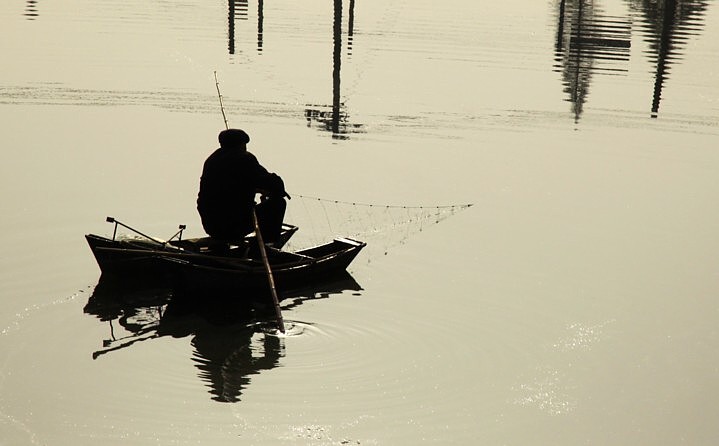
point(233, 138)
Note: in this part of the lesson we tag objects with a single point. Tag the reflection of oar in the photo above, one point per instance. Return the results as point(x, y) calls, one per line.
point(270, 278)
point(130, 341)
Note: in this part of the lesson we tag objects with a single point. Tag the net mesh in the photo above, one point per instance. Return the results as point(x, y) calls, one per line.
point(381, 226)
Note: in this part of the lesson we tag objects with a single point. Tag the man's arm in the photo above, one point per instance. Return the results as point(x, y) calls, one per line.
point(272, 186)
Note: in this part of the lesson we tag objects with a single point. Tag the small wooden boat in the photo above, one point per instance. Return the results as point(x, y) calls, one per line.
point(139, 255)
point(209, 264)
point(291, 270)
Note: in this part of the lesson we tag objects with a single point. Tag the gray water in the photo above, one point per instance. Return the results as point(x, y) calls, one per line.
point(574, 303)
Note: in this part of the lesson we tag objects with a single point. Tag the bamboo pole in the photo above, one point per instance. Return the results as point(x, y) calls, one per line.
point(263, 251)
point(268, 269)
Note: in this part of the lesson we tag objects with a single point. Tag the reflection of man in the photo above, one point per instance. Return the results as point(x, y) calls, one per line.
point(231, 177)
point(225, 360)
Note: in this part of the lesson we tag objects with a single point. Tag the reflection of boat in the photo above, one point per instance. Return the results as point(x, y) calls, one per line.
point(229, 345)
point(203, 263)
point(222, 346)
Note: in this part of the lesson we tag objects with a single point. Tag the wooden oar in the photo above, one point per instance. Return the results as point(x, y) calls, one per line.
point(270, 278)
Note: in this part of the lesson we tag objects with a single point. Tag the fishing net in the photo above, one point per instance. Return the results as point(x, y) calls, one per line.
point(381, 226)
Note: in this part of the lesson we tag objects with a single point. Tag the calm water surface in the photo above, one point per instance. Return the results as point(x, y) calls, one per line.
point(574, 303)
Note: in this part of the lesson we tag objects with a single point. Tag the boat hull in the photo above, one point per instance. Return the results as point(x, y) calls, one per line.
point(141, 258)
point(290, 271)
point(221, 270)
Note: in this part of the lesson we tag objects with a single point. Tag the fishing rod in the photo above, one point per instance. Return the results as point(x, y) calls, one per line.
point(263, 251)
point(222, 107)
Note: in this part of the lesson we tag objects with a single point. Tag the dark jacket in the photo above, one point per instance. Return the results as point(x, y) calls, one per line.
point(230, 179)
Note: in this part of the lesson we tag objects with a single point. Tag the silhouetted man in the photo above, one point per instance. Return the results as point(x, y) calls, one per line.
point(231, 177)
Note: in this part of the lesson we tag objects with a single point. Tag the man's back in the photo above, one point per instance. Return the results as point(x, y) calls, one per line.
point(231, 177)
point(227, 191)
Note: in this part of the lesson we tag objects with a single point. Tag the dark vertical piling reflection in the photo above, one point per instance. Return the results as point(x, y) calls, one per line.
point(332, 118)
point(336, 120)
point(236, 9)
point(336, 66)
point(31, 11)
point(350, 27)
point(260, 24)
point(666, 26)
point(588, 42)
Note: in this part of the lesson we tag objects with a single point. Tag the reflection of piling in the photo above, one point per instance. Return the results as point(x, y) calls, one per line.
point(231, 27)
point(350, 27)
point(239, 10)
point(587, 43)
point(559, 49)
point(336, 66)
point(31, 11)
point(334, 118)
point(236, 9)
point(667, 25)
point(596, 44)
point(260, 23)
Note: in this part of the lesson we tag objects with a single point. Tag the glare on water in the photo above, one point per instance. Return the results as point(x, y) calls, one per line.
point(573, 303)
